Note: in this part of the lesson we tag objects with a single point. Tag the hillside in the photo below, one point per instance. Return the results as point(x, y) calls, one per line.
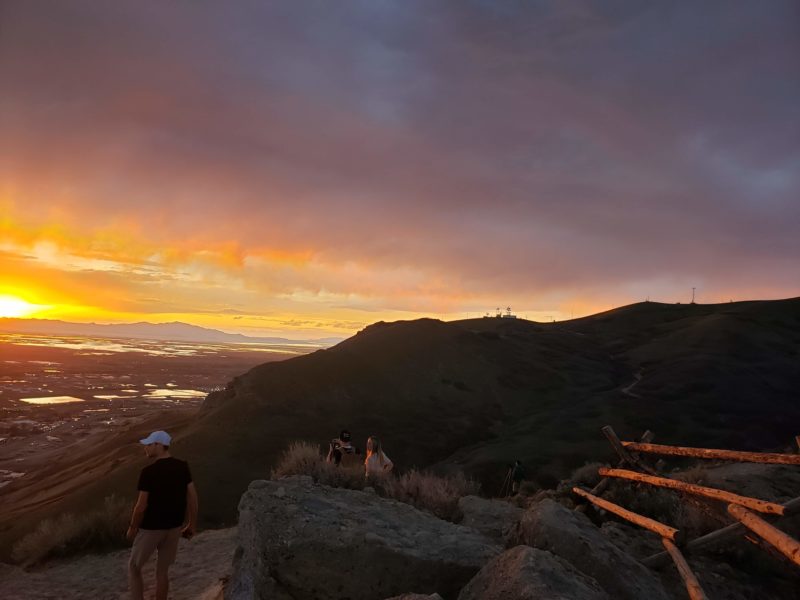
point(477, 394)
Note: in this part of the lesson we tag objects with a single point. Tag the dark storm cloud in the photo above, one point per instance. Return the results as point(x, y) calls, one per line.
point(494, 145)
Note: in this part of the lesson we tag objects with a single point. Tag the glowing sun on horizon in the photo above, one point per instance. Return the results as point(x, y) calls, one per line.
point(12, 306)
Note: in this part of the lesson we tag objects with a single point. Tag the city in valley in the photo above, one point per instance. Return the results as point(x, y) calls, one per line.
point(58, 391)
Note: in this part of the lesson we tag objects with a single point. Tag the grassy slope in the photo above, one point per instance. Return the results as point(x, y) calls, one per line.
point(478, 393)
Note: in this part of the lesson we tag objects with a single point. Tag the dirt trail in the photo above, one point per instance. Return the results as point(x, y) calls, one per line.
point(196, 574)
point(637, 377)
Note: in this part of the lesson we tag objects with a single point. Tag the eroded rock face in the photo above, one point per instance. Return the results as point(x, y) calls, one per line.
point(525, 573)
point(322, 543)
point(571, 536)
point(493, 518)
point(416, 597)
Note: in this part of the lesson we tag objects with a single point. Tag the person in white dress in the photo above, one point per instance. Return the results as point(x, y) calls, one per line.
point(377, 463)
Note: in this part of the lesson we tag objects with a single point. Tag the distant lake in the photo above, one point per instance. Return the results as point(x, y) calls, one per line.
point(106, 346)
point(52, 400)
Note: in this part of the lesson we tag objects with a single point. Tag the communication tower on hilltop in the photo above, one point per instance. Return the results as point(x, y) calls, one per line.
point(508, 314)
point(499, 314)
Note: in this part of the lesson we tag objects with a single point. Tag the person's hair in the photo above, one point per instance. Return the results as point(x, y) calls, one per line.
point(374, 447)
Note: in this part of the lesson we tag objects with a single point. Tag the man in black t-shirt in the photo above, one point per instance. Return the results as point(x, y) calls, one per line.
point(165, 509)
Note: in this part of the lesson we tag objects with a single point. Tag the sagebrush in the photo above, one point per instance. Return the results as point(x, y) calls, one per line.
point(426, 491)
point(98, 530)
point(433, 493)
point(303, 458)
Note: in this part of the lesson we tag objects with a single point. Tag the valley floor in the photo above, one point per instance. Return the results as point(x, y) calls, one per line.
point(196, 574)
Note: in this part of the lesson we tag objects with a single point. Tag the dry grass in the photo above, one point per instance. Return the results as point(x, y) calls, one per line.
point(425, 491)
point(585, 476)
point(96, 531)
point(432, 493)
point(303, 458)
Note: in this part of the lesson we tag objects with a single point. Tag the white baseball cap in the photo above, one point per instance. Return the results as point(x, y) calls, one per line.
point(157, 437)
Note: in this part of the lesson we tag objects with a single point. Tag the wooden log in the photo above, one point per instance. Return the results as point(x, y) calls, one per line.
point(689, 578)
point(710, 453)
point(623, 454)
point(786, 544)
point(714, 538)
point(699, 490)
point(611, 435)
point(665, 531)
point(601, 486)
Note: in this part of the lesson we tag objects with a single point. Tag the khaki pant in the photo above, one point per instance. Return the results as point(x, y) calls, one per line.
point(148, 541)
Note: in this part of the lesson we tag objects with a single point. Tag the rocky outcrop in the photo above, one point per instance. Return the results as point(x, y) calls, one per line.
point(318, 543)
point(493, 518)
point(525, 573)
point(571, 536)
point(416, 597)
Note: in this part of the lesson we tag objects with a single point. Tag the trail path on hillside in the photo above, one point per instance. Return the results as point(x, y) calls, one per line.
point(196, 574)
point(637, 377)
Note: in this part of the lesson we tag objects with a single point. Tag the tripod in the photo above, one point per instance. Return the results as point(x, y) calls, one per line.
point(505, 489)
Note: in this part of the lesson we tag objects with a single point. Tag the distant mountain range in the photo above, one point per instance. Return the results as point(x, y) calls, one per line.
point(175, 331)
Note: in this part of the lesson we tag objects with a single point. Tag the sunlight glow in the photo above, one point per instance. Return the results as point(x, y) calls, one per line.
point(12, 306)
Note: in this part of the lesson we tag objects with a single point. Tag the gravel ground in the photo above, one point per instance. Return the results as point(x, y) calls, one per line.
point(196, 574)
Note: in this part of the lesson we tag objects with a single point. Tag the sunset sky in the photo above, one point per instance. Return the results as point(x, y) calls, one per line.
point(306, 168)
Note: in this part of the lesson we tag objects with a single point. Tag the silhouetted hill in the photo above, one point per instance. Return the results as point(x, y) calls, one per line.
point(477, 394)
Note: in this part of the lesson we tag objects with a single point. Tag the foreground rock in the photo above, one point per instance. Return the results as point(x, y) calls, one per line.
point(573, 537)
point(493, 518)
point(323, 543)
point(525, 573)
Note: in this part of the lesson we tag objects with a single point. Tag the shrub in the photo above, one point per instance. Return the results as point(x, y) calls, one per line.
point(303, 458)
point(99, 530)
point(429, 492)
point(425, 491)
point(657, 503)
point(585, 476)
point(300, 458)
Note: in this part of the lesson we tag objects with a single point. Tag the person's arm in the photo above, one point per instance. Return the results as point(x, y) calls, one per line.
point(329, 458)
point(388, 464)
point(191, 511)
point(137, 515)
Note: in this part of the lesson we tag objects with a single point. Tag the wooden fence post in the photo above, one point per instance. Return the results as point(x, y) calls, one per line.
point(623, 454)
point(699, 490)
point(714, 538)
point(714, 454)
point(785, 543)
point(689, 578)
point(601, 486)
point(665, 531)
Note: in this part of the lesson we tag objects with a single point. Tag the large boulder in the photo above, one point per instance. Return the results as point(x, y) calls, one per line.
point(525, 573)
point(573, 537)
point(493, 518)
point(320, 543)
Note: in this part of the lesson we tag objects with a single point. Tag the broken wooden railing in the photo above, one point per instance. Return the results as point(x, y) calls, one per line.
point(713, 454)
point(669, 538)
point(738, 506)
